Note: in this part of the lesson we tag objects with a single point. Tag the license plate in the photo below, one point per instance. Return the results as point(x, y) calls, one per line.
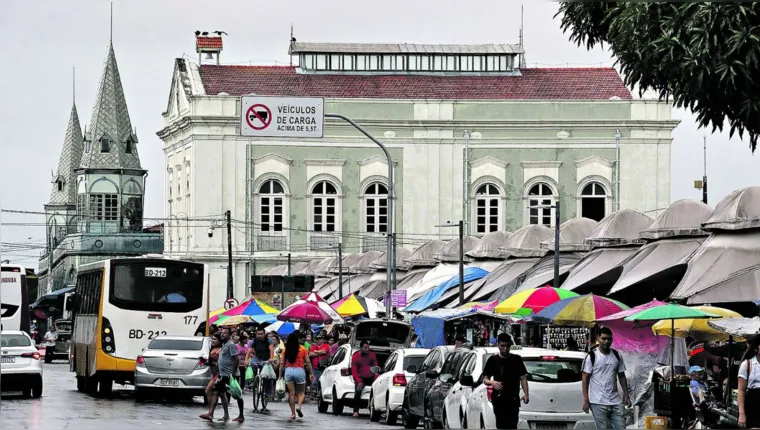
point(550, 425)
point(169, 382)
point(8, 360)
point(155, 272)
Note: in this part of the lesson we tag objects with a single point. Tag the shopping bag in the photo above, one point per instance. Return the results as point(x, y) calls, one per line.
point(280, 387)
point(249, 374)
point(267, 372)
point(234, 388)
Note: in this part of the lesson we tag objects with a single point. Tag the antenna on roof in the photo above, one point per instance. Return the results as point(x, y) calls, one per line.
point(292, 40)
point(522, 38)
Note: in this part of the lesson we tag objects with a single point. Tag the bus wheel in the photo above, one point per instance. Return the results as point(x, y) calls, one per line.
point(91, 385)
point(81, 384)
point(105, 387)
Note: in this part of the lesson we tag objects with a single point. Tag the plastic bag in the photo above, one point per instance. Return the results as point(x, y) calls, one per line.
point(281, 387)
point(267, 372)
point(234, 388)
point(249, 374)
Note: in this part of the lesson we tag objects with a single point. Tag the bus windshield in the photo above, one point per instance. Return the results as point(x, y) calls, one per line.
point(163, 285)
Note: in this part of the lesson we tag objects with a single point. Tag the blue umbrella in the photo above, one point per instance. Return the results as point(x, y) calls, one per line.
point(282, 328)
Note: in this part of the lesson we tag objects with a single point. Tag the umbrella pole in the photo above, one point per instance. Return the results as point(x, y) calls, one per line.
point(672, 349)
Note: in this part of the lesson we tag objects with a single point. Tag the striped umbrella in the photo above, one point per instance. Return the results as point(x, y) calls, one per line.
point(250, 307)
point(282, 328)
point(234, 320)
point(352, 306)
point(532, 300)
point(310, 309)
point(579, 311)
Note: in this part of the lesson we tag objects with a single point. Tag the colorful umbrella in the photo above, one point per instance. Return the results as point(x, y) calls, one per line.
point(580, 311)
point(216, 312)
point(697, 328)
point(482, 306)
point(532, 300)
point(310, 309)
point(234, 320)
point(250, 307)
point(282, 328)
point(351, 306)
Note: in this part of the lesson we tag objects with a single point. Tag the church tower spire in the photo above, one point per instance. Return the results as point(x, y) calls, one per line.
point(64, 178)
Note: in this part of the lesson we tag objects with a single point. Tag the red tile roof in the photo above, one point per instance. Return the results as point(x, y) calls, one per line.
point(535, 84)
point(208, 42)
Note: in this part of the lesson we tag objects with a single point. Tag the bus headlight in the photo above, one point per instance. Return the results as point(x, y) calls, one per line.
point(107, 337)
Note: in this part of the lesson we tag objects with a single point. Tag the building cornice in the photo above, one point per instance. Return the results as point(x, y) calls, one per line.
point(324, 162)
point(489, 160)
point(375, 159)
point(594, 159)
point(273, 156)
point(541, 164)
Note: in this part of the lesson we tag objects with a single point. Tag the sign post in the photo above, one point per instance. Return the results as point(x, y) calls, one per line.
point(265, 116)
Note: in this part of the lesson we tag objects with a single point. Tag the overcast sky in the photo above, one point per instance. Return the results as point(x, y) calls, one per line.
point(43, 41)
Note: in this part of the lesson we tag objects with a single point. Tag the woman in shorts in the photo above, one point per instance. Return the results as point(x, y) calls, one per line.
point(294, 367)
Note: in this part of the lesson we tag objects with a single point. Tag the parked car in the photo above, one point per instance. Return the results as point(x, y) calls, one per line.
point(21, 368)
point(387, 393)
point(455, 403)
point(60, 348)
point(442, 383)
point(554, 381)
point(412, 408)
point(173, 365)
point(336, 383)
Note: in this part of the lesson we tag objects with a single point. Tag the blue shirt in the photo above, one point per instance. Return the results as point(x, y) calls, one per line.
point(697, 386)
point(175, 298)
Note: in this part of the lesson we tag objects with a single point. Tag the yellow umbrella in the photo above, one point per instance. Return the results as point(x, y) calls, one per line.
point(698, 327)
point(216, 312)
point(235, 320)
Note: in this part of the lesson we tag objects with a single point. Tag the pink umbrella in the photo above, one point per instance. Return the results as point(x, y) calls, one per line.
point(635, 337)
point(310, 309)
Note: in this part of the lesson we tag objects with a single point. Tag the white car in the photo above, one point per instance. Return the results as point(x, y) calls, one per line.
point(336, 383)
point(387, 393)
point(20, 364)
point(455, 403)
point(554, 382)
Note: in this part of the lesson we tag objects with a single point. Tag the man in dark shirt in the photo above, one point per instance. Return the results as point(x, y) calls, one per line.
point(504, 374)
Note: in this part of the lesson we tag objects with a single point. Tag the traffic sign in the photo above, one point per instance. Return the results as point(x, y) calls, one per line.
point(265, 116)
point(398, 298)
point(230, 303)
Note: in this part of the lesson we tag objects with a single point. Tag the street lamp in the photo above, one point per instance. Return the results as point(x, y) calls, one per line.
point(461, 257)
point(556, 207)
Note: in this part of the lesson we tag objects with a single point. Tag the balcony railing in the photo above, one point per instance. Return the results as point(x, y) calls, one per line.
point(375, 242)
point(267, 242)
point(323, 241)
point(110, 244)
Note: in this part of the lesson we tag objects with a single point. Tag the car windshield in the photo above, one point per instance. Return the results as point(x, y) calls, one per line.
point(162, 286)
point(383, 333)
point(176, 344)
point(415, 359)
point(14, 340)
point(553, 369)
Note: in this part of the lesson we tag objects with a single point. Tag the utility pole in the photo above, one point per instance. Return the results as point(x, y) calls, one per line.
point(466, 179)
point(556, 244)
point(230, 289)
point(704, 176)
point(340, 270)
point(282, 293)
point(461, 262)
point(617, 171)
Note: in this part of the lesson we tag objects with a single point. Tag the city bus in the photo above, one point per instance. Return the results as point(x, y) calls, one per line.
point(14, 298)
point(121, 304)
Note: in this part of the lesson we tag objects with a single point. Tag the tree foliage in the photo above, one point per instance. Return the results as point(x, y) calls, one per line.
point(702, 55)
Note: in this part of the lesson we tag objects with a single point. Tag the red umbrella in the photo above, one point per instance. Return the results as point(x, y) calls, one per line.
point(310, 309)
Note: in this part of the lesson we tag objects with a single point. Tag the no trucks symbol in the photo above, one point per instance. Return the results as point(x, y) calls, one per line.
point(230, 303)
point(258, 117)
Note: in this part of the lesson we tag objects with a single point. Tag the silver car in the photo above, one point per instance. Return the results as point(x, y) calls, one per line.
point(173, 365)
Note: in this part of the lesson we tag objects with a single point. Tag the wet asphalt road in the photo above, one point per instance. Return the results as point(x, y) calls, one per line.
point(62, 407)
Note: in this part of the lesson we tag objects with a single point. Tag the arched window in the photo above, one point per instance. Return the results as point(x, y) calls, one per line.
point(271, 210)
point(594, 201)
point(376, 208)
point(540, 197)
point(487, 214)
point(324, 207)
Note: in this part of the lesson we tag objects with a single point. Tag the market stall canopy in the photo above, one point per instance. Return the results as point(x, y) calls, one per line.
point(698, 329)
point(429, 326)
point(533, 300)
point(740, 210)
point(413, 277)
point(324, 268)
point(401, 255)
point(682, 218)
point(542, 273)
point(450, 253)
point(436, 294)
point(619, 228)
point(53, 300)
point(496, 286)
point(433, 278)
point(741, 327)
point(280, 270)
point(489, 246)
point(310, 268)
point(599, 269)
point(526, 242)
point(351, 284)
point(377, 284)
point(656, 259)
point(364, 264)
point(725, 269)
point(348, 261)
point(579, 311)
point(424, 256)
point(299, 267)
point(452, 293)
point(572, 235)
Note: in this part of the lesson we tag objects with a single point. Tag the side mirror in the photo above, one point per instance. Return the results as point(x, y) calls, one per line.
point(467, 381)
point(432, 374)
point(375, 369)
point(412, 368)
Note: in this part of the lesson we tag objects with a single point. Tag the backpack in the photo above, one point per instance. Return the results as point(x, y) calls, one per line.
point(592, 357)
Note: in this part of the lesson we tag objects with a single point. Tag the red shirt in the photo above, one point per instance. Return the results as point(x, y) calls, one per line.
point(360, 366)
point(315, 360)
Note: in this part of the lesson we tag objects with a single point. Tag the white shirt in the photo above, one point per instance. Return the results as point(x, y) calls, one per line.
point(753, 380)
point(603, 382)
point(50, 335)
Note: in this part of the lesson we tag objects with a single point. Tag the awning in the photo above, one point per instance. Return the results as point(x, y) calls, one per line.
point(542, 273)
point(655, 258)
point(54, 299)
point(599, 267)
point(725, 269)
point(435, 294)
point(502, 275)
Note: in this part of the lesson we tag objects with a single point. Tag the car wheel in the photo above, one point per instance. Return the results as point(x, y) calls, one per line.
point(322, 405)
point(337, 405)
point(37, 389)
point(374, 415)
point(390, 417)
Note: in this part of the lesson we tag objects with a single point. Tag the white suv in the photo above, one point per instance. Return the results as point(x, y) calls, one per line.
point(554, 382)
point(20, 364)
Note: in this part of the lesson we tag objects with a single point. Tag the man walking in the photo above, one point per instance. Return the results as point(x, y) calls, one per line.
point(228, 366)
point(361, 370)
point(505, 374)
point(602, 369)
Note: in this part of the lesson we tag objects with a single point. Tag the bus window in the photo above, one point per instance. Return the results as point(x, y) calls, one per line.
point(164, 286)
